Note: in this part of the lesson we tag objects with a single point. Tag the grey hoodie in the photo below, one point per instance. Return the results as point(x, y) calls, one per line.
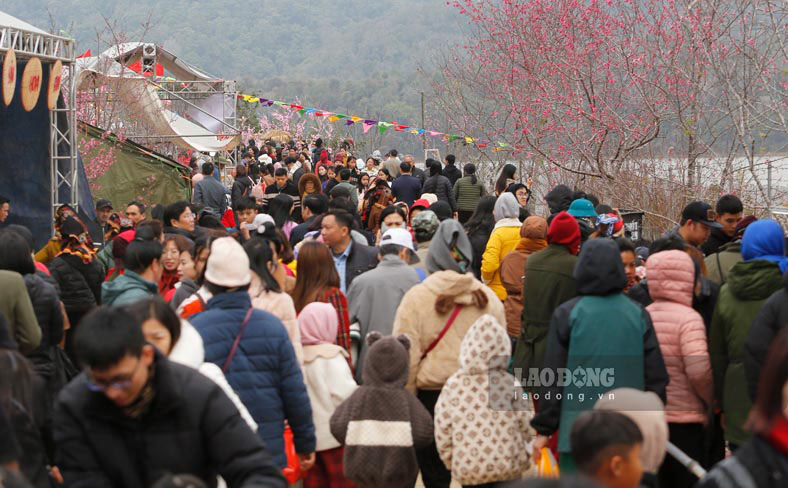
point(439, 257)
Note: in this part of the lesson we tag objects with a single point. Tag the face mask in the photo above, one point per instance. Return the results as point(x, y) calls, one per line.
point(383, 228)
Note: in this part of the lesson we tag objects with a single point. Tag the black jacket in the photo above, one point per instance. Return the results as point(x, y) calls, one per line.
point(300, 230)
point(291, 189)
point(46, 305)
point(453, 173)
point(756, 463)
point(192, 427)
point(558, 200)
point(241, 188)
point(420, 174)
point(80, 283)
point(440, 186)
point(716, 240)
point(770, 320)
point(361, 258)
point(479, 239)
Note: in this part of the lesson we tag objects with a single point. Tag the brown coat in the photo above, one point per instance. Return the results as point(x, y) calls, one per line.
point(533, 234)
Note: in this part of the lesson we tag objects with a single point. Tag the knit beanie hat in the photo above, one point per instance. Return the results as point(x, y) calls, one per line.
point(506, 207)
point(318, 322)
point(228, 264)
point(450, 249)
point(564, 231)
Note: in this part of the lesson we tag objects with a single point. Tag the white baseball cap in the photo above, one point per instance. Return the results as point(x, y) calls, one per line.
point(258, 222)
point(400, 237)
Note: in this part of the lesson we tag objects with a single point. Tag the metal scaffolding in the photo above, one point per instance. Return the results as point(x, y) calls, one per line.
point(63, 119)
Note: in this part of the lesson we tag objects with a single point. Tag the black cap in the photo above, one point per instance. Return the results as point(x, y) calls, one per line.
point(700, 212)
point(103, 203)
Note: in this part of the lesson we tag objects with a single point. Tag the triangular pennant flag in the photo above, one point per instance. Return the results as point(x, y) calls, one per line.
point(367, 126)
point(349, 122)
point(452, 137)
point(482, 146)
point(414, 131)
point(302, 111)
point(254, 100)
point(382, 128)
point(469, 140)
point(333, 118)
point(281, 104)
point(340, 116)
point(318, 114)
point(370, 122)
point(356, 119)
point(310, 110)
point(269, 102)
point(435, 134)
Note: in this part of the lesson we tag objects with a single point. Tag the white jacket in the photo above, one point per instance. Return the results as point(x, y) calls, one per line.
point(189, 351)
point(329, 382)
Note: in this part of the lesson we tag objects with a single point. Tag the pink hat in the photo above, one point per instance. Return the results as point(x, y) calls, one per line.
point(318, 323)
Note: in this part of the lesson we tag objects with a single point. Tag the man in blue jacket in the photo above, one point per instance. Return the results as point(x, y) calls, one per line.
point(406, 188)
point(254, 351)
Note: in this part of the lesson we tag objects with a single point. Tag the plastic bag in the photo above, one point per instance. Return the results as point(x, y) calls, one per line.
point(548, 466)
point(292, 472)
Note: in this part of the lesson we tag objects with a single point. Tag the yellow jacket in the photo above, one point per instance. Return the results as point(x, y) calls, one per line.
point(503, 240)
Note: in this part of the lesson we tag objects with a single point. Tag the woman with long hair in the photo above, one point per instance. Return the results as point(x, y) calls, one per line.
point(280, 209)
point(467, 192)
point(479, 228)
point(322, 174)
point(317, 281)
point(265, 291)
point(439, 185)
point(195, 302)
point(506, 178)
point(23, 402)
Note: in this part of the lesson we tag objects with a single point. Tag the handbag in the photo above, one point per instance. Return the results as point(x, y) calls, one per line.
point(443, 332)
point(237, 341)
point(292, 472)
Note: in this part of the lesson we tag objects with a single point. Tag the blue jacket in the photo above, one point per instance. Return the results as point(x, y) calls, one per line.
point(264, 371)
point(406, 189)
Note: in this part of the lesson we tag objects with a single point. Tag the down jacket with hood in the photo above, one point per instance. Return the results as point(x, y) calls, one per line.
point(264, 371)
point(600, 332)
point(750, 283)
point(681, 335)
point(482, 422)
point(418, 314)
point(533, 235)
point(381, 424)
point(441, 187)
point(503, 240)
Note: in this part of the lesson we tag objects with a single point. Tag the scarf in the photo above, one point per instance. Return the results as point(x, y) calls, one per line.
point(167, 281)
point(79, 249)
point(142, 404)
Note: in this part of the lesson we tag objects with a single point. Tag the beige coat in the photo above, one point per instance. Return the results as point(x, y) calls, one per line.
point(417, 318)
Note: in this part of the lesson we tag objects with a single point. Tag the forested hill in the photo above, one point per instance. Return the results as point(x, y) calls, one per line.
point(354, 55)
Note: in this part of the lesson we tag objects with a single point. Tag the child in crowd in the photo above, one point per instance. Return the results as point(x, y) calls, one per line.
point(482, 421)
point(382, 424)
point(606, 448)
point(245, 212)
point(329, 382)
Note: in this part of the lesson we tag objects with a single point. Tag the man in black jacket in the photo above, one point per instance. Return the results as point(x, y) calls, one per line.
point(451, 171)
point(283, 185)
point(350, 258)
point(312, 208)
point(729, 212)
point(133, 417)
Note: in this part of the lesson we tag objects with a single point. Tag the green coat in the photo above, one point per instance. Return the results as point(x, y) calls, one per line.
point(749, 284)
point(549, 282)
point(126, 289)
point(718, 265)
point(467, 195)
point(15, 305)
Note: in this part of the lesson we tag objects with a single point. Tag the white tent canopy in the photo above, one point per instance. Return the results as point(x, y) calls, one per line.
point(140, 95)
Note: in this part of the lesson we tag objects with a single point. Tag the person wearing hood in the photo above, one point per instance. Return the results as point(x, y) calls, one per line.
point(729, 212)
point(329, 382)
point(533, 238)
point(558, 200)
point(142, 263)
point(599, 330)
point(374, 296)
point(648, 412)
point(424, 226)
point(439, 185)
point(381, 425)
point(682, 340)
point(549, 282)
point(750, 283)
point(583, 211)
point(486, 447)
point(772, 318)
point(503, 240)
point(436, 314)
point(719, 264)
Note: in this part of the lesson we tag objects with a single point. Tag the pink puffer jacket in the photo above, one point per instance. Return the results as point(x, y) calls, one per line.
point(681, 335)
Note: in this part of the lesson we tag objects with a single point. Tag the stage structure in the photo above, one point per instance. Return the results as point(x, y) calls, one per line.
point(147, 94)
point(54, 55)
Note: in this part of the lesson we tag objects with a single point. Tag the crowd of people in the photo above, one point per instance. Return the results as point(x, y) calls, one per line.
point(320, 318)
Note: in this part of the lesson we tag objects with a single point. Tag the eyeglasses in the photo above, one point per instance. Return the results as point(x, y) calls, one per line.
point(120, 383)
